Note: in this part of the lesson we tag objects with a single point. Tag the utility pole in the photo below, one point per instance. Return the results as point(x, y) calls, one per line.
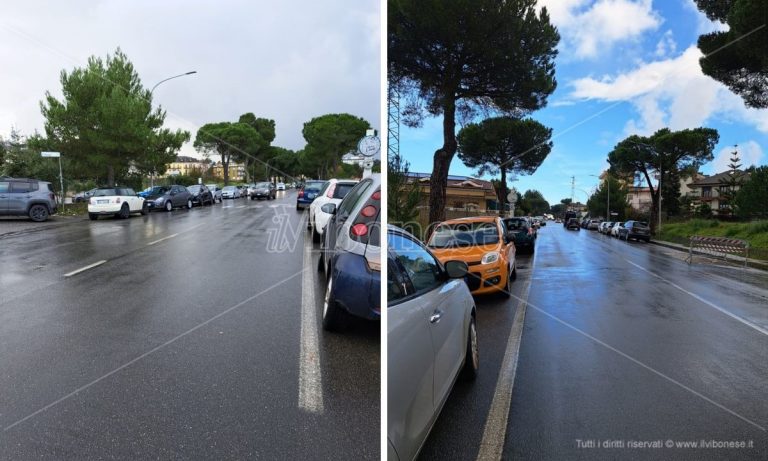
point(573, 189)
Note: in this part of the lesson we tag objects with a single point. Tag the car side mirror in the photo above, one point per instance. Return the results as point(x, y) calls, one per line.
point(510, 236)
point(456, 269)
point(329, 208)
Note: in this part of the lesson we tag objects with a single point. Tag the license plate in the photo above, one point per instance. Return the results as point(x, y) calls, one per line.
point(102, 201)
point(310, 195)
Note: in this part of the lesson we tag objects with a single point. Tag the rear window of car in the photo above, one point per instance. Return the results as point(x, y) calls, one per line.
point(342, 189)
point(314, 185)
point(106, 192)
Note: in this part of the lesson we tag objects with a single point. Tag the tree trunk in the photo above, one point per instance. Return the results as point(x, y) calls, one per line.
point(110, 175)
point(503, 198)
point(225, 165)
point(442, 161)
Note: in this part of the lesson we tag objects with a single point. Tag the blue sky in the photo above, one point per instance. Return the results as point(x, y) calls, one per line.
point(624, 67)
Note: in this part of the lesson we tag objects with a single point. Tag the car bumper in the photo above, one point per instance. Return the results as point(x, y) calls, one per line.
point(260, 194)
point(486, 278)
point(112, 208)
point(303, 203)
point(356, 287)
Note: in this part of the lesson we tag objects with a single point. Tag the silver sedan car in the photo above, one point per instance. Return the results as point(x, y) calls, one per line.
point(431, 336)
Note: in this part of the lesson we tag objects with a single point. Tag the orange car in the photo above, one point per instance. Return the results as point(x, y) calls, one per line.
point(482, 244)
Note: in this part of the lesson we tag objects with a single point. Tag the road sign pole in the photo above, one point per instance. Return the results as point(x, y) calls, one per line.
point(61, 180)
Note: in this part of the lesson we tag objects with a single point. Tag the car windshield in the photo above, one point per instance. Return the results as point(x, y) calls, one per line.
point(464, 234)
point(262, 185)
point(157, 190)
point(516, 224)
point(193, 189)
point(228, 188)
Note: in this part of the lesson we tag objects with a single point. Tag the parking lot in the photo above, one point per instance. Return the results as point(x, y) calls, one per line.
point(622, 342)
point(184, 334)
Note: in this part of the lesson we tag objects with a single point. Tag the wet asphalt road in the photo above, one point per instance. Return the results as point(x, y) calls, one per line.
point(611, 352)
point(186, 344)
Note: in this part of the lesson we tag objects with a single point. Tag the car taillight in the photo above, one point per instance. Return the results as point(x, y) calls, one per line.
point(366, 218)
point(359, 230)
point(301, 193)
point(330, 191)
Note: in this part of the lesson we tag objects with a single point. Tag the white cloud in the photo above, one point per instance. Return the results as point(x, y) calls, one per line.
point(667, 46)
point(671, 92)
point(750, 153)
point(589, 29)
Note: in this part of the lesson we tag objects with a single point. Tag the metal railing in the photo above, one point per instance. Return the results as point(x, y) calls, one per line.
point(718, 247)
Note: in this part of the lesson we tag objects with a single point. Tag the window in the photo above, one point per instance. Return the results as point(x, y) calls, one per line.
point(342, 190)
point(21, 187)
point(4, 187)
point(416, 263)
point(395, 288)
point(348, 204)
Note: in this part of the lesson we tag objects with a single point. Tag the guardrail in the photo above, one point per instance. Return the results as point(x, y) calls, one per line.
point(719, 247)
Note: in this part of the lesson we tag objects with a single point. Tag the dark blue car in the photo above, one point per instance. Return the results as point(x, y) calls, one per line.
point(351, 256)
point(308, 193)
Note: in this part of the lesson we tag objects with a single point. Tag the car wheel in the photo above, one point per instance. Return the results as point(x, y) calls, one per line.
point(93, 216)
point(298, 208)
point(334, 319)
point(125, 211)
point(38, 213)
point(472, 359)
point(513, 275)
point(144, 209)
point(168, 206)
point(189, 204)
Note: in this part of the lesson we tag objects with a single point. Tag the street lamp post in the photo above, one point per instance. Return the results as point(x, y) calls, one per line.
point(151, 92)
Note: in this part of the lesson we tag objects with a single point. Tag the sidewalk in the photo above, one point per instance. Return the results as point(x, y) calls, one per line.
point(753, 263)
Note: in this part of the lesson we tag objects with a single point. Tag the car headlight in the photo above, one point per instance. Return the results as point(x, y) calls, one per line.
point(160, 200)
point(489, 258)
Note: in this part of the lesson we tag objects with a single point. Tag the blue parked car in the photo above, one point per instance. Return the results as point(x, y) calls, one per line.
point(155, 191)
point(308, 193)
point(351, 255)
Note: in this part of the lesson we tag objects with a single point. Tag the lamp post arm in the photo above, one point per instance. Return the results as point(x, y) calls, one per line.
point(171, 78)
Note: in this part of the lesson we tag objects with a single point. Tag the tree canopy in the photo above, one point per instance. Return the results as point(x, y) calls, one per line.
point(534, 203)
point(467, 56)
point(738, 57)
point(660, 153)
point(329, 137)
point(504, 144)
point(752, 198)
point(599, 200)
point(105, 123)
point(230, 140)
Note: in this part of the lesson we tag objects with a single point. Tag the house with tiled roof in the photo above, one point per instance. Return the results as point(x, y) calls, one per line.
point(714, 190)
point(462, 193)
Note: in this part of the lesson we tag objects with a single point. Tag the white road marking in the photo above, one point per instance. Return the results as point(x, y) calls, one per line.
point(82, 269)
point(241, 206)
point(708, 303)
point(160, 240)
point(310, 374)
point(492, 444)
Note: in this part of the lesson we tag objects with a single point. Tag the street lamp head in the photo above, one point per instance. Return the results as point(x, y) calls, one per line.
point(191, 72)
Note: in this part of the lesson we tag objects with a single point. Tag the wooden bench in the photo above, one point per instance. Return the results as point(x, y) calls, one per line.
point(718, 247)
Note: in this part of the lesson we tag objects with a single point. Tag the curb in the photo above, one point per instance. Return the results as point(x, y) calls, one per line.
point(753, 263)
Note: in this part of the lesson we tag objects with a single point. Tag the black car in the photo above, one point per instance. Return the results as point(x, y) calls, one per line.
point(201, 195)
point(635, 230)
point(263, 190)
point(573, 223)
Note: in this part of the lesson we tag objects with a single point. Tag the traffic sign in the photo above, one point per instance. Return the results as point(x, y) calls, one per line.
point(50, 154)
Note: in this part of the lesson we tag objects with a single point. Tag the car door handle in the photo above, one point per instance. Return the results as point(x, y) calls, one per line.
point(436, 316)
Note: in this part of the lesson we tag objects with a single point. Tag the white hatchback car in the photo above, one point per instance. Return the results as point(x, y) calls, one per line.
point(119, 202)
point(281, 186)
point(230, 192)
point(333, 191)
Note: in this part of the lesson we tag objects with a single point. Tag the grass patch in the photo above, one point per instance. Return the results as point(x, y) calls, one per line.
point(74, 209)
point(755, 232)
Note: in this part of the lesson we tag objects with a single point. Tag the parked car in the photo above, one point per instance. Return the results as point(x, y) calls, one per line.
point(431, 337)
point(482, 244)
point(215, 192)
point(573, 223)
point(152, 191)
point(615, 229)
point(281, 186)
point(170, 197)
point(605, 227)
point(83, 196)
point(119, 202)
point(637, 230)
point(524, 237)
point(351, 255)
point(593, 224)
point(200, 195)
point(232, 192)
point(243, 190)
point(333, 192)
point(262, 190)
point(27, 197)
point(308, 193)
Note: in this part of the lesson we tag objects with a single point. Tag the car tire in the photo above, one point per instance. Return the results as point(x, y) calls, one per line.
point(315, 235)
point(189, 204)
point(93, 217)
point(38, 213)
point(144, 209)
point(168, 206)
point(472, 357)
point(298, 208)
point(125, 211)
point(513, 275)
point(334, 318)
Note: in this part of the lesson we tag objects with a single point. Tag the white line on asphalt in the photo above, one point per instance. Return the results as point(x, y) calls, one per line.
point(492, 444)
point(153, 350)
point(241, 206)
point(160, 240)
point(708, 303)
point(82, 269)
point(310, 374)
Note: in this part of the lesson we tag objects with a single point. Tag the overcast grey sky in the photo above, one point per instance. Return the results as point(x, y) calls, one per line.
point(285, 60)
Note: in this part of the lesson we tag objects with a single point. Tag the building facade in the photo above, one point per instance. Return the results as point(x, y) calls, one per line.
point(463, 193)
